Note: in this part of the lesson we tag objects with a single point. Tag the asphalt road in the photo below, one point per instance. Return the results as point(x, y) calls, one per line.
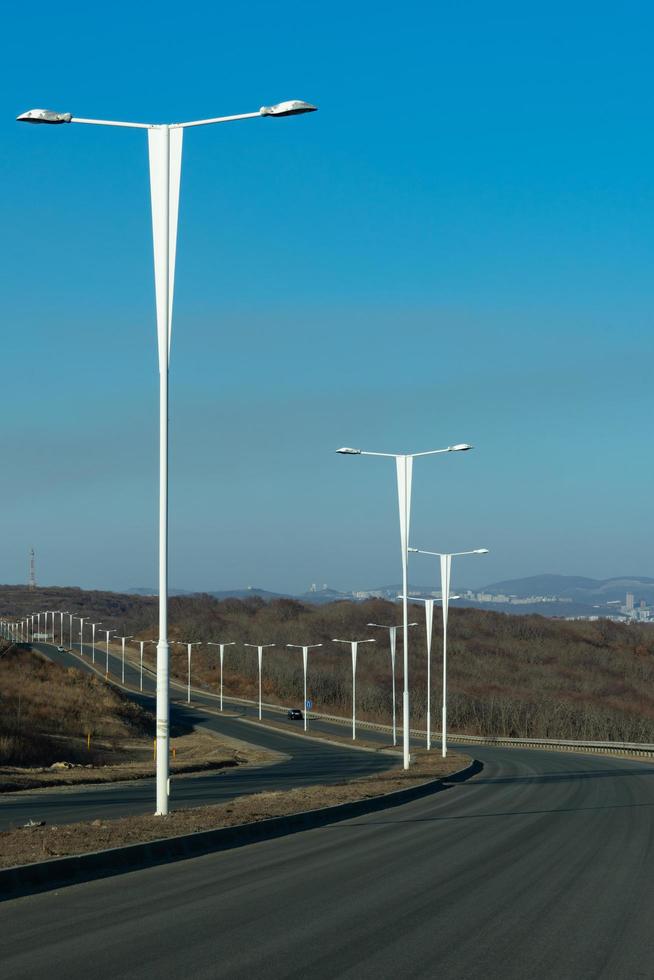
point(539, 867)
point(308, 763)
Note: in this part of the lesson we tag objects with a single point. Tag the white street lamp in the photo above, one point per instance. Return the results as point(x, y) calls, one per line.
point(260, 647)
point(107, 635)
point(61, 627)
point(93, 626)
point(122, 640)
point(404, 467)
point(446, 567)
point(142, 644)
point(81, 632)
point(392, 637)
point(305, 658)
point(70, 625)
point(165, 157)
point(354, 644)
point(189, 647)
point(222, 655)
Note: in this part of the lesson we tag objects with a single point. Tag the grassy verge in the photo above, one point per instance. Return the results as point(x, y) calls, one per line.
point(29, 844)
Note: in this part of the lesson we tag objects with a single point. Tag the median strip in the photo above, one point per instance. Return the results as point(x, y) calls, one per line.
point(84, 851)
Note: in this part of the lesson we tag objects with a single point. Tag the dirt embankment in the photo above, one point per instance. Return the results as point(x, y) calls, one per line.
point(29, 844)
point(59, 726)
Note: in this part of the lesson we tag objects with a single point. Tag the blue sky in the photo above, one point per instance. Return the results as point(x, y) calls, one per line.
point(456, 247)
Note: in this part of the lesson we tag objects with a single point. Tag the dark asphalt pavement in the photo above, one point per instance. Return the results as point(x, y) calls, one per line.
point(539, 867)
point(308, 763)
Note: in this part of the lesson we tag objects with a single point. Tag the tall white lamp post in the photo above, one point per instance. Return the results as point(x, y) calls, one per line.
point(305, 659)
point(404, 467)
point(81, 633)
point(61, 627)
point(165, 154)
point(222, 656)
point(107, 635)
point(122, 640)
point(429, 627)
point(189, 647)
point(446, 568)
point(259, 647)
point(142, 644)
point(392, 638)
point(70, 627)
point(93, 626)
point(354, 645)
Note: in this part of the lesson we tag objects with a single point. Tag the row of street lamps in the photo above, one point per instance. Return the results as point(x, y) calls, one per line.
point(404, 470)
point(24, 631)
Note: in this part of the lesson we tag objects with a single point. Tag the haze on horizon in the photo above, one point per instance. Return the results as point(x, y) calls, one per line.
point(456, 247)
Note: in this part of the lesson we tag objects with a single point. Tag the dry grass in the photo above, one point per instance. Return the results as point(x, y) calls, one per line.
point(48, 711)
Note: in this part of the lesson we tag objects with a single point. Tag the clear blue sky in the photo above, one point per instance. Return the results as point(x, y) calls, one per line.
point(457, 247)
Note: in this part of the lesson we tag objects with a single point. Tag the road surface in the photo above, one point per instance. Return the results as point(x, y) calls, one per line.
point(539, 867)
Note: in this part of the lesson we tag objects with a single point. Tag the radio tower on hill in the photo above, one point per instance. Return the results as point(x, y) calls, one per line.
point(32, 578)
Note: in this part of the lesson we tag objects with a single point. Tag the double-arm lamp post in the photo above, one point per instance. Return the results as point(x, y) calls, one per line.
point(305, 659)
point(259, 647)
point(404, 467)
point(165, 155)
point(354, 646)
point(392, 638)
point(222, 658)
point(189, 648)
point(446, 568)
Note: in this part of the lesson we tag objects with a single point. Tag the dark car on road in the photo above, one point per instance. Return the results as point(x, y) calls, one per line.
point(294, 714)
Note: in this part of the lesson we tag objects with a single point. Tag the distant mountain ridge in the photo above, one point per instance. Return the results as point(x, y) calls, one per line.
point(586, 595)
point(576, 587)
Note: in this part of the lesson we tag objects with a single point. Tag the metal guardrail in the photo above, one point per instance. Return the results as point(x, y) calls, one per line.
point(568, 745)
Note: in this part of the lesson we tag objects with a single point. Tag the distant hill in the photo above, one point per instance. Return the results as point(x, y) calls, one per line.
point(577, 588)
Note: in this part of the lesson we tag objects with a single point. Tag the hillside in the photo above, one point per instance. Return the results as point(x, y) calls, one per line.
point(511, 675)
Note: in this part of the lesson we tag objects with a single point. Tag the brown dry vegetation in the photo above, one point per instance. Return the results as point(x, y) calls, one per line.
point(508, 675)
point(47, 711)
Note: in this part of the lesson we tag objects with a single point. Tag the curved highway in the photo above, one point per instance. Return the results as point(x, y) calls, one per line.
point(539, 867)
point(307, 763)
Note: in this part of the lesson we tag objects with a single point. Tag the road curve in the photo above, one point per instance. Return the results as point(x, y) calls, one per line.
point(308, 763)
point(539, 867)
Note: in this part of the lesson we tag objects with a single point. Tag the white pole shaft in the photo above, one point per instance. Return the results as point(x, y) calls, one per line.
point(260, 652)
point(222, 649)
point(429, 619)
point(81, 633)
point(106, 666)
point(404, 466)
point(446, 565)
point(393, 637)
point(188, 686)
point(305, 657)
point(354, 689)
point(162, 744)
point(142, 642)
point(93, 643)
point(123, 667)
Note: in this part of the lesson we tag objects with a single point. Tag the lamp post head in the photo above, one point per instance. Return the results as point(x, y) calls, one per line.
point(45, 116)
point(480, 551)
point(294, 107)
point(460, 447)
point(346, 451)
